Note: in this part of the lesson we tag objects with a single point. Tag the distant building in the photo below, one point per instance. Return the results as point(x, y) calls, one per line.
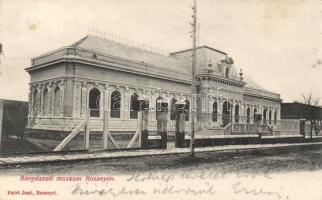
point(100, 74)
point(13, 119)
point(299, 111)
point(310, 116)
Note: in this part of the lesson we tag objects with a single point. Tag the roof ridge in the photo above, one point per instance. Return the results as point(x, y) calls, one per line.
point(119, 49)
point(124, 45)
point(76, 44)
point(199, 47)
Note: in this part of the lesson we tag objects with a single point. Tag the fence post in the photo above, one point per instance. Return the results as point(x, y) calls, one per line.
point(232, 127)
point(258, 118)
point(159, 122)
point(302, 127)
point(105, 129)
point(164, 140)
point(260, 138)
point(86, 131)
point(163, 118)
point(144, 140)
point(162, 123)
point(144, 116)
point(140, 118)
point(180, 126)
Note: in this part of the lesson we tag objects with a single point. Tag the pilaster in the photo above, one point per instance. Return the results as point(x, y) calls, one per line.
point(68, 97)
point(62, 97)
point(83, 105)
point(77, 99)
point(107, 92)
point(49, 103)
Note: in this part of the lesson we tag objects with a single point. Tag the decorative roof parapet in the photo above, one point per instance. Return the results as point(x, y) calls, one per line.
point(109, 61)
point(261, 93)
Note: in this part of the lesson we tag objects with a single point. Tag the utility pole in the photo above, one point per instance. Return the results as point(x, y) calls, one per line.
point(193, 82)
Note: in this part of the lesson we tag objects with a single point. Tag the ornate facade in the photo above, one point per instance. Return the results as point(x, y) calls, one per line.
point(96, 74)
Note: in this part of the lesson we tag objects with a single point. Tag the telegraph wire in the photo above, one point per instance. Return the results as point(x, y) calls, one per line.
point(254, 27)
point(248, 48)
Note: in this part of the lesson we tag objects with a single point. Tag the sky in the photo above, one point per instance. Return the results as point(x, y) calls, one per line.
point(276, 43)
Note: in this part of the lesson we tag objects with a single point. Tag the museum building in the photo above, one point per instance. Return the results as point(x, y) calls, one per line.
point(99, 74)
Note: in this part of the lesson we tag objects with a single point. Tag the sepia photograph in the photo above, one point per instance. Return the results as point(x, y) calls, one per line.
point(161, 99)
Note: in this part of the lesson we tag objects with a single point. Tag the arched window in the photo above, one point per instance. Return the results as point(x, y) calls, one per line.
point(270, 117)
point(173, 109)
point(36, 103)
point(264, 116)
point(56, 103)
point(248, 116)
point(134, 106)
point(45, 105)
point(94, 102)
point(215, 111)
point(275, 117)
point(116, 104)
point(237, 113)
point(186, 110)
point(254, 116)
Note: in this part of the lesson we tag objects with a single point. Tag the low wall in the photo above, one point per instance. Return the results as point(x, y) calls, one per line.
point(282, 139)
point(238, 140)
point(313, 139)
point(203, 142)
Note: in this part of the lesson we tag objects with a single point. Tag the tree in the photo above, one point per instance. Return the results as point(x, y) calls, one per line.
point(312, 112)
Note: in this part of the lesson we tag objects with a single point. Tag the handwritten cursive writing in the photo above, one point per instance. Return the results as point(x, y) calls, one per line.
point(238, 188)
point(173, 190)
point(79, 190)
point(254, 173)
point(202, 175)
point(150, 177)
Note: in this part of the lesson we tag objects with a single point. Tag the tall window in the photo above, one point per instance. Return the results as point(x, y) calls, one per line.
point(134, 106)
point(56, 103)
point(158, 107)
point(264, 116)
point(173, 109)
point(275, 117)
point(115, 104)
point(186, 110)
point(215, 111)
point(254, 117)
point(248, 116)
point(270, 117)
point(237, 113)
point(36, 103)
point(227, 72)
point(45, 105)
point(94, 102)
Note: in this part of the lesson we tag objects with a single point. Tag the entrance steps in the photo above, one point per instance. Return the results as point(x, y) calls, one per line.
point(211, 131)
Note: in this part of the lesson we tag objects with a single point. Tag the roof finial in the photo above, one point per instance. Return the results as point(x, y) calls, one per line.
point(241, 75)
point(210, 69)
